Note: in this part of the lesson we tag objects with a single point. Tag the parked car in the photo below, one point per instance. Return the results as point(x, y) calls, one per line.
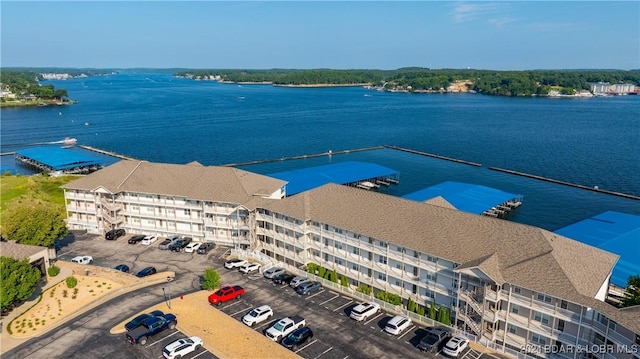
point(148, 240)
point(295, 282)
point(182, 347)
point(272, 272)
point(164, 245)
point(248, 268)
point(192, 247)
point(135, 239)
point(180, 244)
point(205, 248)
point(363, 311)
point(308, 287)
point(137, 321)
point(150, 327)
point(146, 272)
point(82, 259)
point(455, 346)
point(234, 263)
point(225, 294)
point(122, 268)
point(297, 338)
point(397, 324)
point(257, 315)
point(435, 338)
point(283, 278)
point(114, 234)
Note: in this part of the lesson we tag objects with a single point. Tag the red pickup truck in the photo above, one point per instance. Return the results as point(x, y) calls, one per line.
point(225, 294)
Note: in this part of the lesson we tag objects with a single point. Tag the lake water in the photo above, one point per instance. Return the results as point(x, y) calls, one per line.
point(155, 117)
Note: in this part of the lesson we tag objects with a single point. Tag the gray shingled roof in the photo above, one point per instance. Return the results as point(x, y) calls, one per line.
point(516, 253)
point(192, 181)
point(18, 251)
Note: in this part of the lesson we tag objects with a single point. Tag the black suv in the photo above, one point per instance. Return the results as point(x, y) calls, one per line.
point(146, 271)
point(114, 234)
point(205, 248)
point(283, 278)
point(297, 338)
point(136, 239)
point(179, 245)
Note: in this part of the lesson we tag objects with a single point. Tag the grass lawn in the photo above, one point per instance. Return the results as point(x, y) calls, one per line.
point(16, 190)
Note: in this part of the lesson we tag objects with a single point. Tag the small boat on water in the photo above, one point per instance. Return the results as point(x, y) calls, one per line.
point(86, 123)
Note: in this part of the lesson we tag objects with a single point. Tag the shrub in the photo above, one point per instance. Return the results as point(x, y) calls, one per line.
point(411, 305)
point(344, 281)
point(53, 271)
point(312, 268)
point(210, 279)
point(420, 310)
point(64, 293)
point(389, 297)
point(71, 282)
point(363, 288)
point(322, 271)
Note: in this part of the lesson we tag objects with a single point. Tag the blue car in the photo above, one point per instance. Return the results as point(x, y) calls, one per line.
point(122, 268)
point(146, 271)
point(137, 321)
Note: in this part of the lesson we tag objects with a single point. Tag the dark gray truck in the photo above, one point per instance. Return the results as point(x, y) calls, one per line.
point(150, 327)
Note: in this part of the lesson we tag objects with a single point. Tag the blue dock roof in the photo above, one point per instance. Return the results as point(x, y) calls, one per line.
point(465, 197)
point(304, 179)
point(58, 158)
point(615, 232)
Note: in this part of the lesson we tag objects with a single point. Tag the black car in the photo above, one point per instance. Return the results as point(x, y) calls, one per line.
point(137, 321)
point(297, 338)
point(283, 278)
point(179, 245)
point(146, 272)
point(205, 248)
point(135, 239)
point(122, 268)
point(114, 234)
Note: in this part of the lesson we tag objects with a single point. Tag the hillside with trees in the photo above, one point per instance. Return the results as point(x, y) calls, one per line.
point(27, 91)
point(416, 79)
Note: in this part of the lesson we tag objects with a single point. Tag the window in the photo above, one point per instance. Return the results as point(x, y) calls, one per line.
point(339, 230)
point(382, 276)
point(354, 266)
point(432, 259)
point(543, 297)
point(541, 317)
point(512, 328)
point(515, 308)
point(355, 250)
point(150, 221)
point(338, 261)
point(399, 266)
point(187, 212)
point(517, 289)
point(149, 209)
point(337, 244)
point(135, 208)
point(382, 259)
point(560, 325)
point(539, 339)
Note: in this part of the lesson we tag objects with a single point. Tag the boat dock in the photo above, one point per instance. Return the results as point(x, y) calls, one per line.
point(433, 155)
point(594, 189)
point(108, 153)
point(301, 157)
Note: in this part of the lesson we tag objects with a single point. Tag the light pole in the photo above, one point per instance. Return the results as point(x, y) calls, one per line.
point(168, 301)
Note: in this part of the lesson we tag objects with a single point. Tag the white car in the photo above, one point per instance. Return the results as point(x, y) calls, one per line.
point(234, 263)
point(397, 324)
point(82, 259)
point(249, 268)
point(272, 272)
point(148, 240)
point(258, 315)
point(455, 346)
point(295, 282)
point(364, 310)
point(192, 247)
point(181, 347)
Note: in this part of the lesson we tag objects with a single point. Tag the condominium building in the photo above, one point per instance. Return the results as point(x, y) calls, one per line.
point(517, 288)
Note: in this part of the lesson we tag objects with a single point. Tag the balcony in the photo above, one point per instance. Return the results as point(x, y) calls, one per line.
point(469, 322)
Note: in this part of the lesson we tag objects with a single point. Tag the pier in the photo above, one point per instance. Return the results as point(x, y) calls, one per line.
point(108, 153)
point(433, 155)
point(574, 185)
point(301, 157)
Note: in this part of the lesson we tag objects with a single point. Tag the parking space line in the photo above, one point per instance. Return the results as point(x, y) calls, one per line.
point(203, 352)
point(261, 325)
point(311, 296)
point(374, 318)
point(324, 352)
point(315, 340)
point(158, 341)
point(407, 331)
point(328, 300)
point(240, 311)
point(344, 305)
point(232, 304)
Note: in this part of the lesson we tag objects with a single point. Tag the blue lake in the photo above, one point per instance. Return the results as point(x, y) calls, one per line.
point(155, 117)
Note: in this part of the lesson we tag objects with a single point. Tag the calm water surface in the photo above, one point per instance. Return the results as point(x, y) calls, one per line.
point(159, 118)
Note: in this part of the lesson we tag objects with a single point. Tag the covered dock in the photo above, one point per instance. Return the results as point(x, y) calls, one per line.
point(470, 198)
point(614, 232)
point(54, 159)
point(363, 175)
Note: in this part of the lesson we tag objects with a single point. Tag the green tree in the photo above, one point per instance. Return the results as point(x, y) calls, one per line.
point(210, 279)
point(432, 311)
point(312, 267)
point(420, 310)
point(411, 305)
point(632, 293)
point(333, 276)
point(321, 271)
point(344, 280)
point(446, 320)
point(35, 225)
point(19, 281)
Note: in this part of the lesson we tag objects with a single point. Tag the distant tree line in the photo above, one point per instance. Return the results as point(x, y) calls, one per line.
point(501, 83)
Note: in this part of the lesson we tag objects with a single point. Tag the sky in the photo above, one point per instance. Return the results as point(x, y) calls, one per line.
point(500, 35)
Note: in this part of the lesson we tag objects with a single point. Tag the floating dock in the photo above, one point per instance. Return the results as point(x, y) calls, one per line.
point(433, 155)
point(594, 189)
point(108, 153)
point(301, 157)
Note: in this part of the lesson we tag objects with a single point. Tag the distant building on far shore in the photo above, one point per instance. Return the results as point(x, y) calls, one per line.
point(607, 88)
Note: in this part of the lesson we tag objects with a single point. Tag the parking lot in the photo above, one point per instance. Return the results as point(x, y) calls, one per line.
point(326, 312)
